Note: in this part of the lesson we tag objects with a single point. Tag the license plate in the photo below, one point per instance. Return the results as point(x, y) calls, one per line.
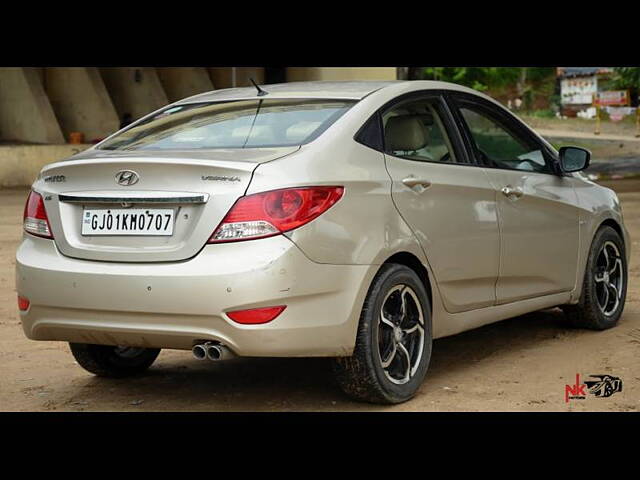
point(128, 221)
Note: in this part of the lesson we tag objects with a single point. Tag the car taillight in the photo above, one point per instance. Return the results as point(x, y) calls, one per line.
point(23, 303)
point(270, 213)
point(256, 316)
point(35, 219)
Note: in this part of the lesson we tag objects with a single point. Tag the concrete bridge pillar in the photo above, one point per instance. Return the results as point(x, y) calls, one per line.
point(303, 74)
point(25, 111)
point(179, 83)
point(134, 90)
point(229, 77)
point(81, 102)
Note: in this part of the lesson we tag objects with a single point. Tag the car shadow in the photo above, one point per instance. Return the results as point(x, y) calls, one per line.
point(178, 382)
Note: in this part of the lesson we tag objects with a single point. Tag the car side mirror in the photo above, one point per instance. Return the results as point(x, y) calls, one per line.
point(574, 159)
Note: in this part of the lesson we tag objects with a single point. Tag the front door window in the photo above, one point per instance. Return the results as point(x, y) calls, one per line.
point(498, 147)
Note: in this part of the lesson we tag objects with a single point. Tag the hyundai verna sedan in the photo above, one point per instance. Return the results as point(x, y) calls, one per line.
point(355, 220)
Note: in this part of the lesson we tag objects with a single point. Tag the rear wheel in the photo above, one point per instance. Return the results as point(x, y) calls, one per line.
point(393, 344)
point(604, 288)
point(109, 361)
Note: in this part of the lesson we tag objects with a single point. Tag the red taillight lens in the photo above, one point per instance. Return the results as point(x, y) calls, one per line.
point(35, 219)
point(23, 303)
point(271, 213)
point(256, 315)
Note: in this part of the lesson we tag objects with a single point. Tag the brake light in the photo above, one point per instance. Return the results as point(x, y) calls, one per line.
point(35, 220)
point(23, 303)
point(271, 213)
point(256, 316)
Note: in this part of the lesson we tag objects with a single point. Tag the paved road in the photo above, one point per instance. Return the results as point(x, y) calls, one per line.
point(522, 364)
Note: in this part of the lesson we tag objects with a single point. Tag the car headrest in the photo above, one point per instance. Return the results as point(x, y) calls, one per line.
point(405, 133)
point(301, 130)
point(258, 132)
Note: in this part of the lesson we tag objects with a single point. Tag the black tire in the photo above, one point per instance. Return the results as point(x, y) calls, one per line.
point(116, 362)
point(588, 313)
point(362, 375)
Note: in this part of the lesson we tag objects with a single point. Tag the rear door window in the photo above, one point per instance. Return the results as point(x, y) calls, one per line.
point(415, 130)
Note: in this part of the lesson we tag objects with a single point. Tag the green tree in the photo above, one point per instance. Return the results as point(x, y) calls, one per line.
point(483, 78)
point(626, 77)
point(479, 78)
point(528, 82)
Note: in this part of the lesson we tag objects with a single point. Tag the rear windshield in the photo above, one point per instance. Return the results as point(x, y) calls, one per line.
point(235, 124)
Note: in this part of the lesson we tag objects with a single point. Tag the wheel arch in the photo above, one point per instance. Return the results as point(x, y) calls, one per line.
point(582, 267)
point(610, 222)
point(411, 261)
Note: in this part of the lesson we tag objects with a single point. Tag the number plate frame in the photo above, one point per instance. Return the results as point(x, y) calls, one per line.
point(122, 221)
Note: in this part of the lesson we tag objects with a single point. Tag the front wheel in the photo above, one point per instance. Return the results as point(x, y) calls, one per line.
point(393, 344)
point(604, 288)
point(108, 361)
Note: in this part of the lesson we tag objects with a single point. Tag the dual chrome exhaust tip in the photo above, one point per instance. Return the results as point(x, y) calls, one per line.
point(211, 351)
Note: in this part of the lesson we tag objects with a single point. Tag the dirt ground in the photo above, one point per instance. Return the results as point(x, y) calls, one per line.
point(522, 364)
point(615, 152)
point(627, 127)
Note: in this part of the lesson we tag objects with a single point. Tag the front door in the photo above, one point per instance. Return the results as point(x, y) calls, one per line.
point(537, 208)
point(448, 203)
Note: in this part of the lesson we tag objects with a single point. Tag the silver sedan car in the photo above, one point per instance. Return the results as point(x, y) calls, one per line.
point(352, 220)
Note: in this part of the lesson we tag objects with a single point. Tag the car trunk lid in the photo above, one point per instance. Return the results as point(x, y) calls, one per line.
point(198, 188)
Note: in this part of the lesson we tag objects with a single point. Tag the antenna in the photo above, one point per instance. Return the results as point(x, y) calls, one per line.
point(261, 92)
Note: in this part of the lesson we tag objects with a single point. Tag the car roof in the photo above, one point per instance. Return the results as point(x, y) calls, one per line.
point(348, 90)
point(344, 90)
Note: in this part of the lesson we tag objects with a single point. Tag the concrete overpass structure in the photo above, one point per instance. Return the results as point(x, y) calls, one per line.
point(44, 105)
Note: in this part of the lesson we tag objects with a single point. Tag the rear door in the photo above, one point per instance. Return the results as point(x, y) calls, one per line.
point(537, 208)
point(448, 202)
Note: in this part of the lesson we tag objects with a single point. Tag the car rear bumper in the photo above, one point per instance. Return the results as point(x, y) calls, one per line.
point(175, 305)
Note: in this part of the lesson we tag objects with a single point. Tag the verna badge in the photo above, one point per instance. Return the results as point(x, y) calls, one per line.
point(126, 178)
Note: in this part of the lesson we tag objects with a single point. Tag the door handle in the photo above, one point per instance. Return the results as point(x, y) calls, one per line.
point(509, 191)
point(412, 182)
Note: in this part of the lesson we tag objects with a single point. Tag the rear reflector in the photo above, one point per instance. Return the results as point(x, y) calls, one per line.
point(23, 303)
point(35, 220)
point(256, 315)
point(270, 213)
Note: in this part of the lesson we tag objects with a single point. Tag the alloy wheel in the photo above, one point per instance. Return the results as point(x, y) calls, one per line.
point(400, 334)
point(608, 278)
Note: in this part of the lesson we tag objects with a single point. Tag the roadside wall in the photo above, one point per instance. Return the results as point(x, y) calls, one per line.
point(20, 164)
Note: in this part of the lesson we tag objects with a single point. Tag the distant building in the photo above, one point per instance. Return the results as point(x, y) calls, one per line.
point(578, 86)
